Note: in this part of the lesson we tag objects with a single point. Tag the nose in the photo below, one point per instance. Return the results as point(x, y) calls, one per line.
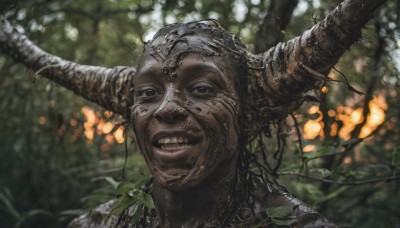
point(170, 109)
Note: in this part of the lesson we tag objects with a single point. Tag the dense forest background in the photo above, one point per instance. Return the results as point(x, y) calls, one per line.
point(61, 155)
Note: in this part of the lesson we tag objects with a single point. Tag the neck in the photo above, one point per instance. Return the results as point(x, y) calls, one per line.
point(197, 205)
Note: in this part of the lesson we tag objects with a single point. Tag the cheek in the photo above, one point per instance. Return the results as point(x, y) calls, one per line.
point(219, 118)
point(140, 118)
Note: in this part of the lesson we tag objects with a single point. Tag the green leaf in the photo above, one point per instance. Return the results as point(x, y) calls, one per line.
point(143, 198)
point(136, 215)
point(280, 215)
point(279, 212)
point(72, 212)
point(148, 201)
point(396, 157)
point(100, 196)
point(122, 204)
point(125, 187)
point(111, 181)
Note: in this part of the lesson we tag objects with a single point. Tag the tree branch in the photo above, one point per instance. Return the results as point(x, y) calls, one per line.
point(285, 77)
point(108, 87)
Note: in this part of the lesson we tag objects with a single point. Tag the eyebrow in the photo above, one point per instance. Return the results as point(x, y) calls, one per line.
point(148, 72)
point(203, 67)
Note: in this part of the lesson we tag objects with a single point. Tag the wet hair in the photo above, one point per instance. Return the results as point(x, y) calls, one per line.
point(253, 127)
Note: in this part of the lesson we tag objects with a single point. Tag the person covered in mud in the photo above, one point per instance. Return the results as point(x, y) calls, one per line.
point(200, 108)
point(194, 114)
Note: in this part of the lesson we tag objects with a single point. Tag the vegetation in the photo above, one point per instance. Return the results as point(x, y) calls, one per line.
point(61, 155)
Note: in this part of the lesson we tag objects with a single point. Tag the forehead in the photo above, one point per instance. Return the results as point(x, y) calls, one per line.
point(170, 48)
point(190, 67)
point(169, 57)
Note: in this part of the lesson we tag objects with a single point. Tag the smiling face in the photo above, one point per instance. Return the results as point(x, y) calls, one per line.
point(185, 117)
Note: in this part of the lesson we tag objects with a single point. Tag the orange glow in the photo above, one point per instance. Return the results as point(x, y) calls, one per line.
point(119, 135)
point(42, 120)
point(349, 119)
point(107, 127)
point(109, 138)
point(331, 113)
point(334, 129)
point(309, 148)
point(314, 109)
point(95, 125)
point(88, 126)
point(89, 135)
point(324, 89)
point(73, 122)
point(356, 117)
point(347, 160)
point(375, 117)
point(89, 114)
point(311, 129)
point(108, 114)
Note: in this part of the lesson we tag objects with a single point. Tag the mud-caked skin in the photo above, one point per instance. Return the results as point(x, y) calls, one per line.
point(179, 123)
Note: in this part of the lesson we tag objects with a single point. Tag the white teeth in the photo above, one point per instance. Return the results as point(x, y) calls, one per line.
point(174, 146)
point(173, 140)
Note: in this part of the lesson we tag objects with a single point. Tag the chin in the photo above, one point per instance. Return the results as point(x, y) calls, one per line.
point(179, 179)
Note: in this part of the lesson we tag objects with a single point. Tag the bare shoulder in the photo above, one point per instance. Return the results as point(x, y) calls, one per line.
point(270, 196)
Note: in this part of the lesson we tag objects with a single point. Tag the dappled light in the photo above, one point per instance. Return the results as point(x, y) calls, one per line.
point(346, 119)
point(312, 129)
point(309, 148)
point(95, 125)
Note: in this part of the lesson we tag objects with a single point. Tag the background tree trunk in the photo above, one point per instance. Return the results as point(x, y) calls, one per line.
point(275, 22)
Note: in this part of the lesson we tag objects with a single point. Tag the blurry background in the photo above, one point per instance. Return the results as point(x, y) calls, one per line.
point(61, 155)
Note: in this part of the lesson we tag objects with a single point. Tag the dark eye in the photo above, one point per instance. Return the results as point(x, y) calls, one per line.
point(146, 92)
point(203, 90)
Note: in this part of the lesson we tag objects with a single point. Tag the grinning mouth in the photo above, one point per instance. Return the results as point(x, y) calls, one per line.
point(175, 143)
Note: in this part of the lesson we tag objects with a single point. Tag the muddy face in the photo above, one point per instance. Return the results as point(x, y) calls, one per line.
point(186, 126)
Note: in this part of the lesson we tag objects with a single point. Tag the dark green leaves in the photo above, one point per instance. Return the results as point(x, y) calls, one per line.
point(131, 196)
point(281, 215)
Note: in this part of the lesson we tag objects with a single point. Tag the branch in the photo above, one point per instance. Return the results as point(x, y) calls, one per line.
point(360, 182)
point(285, 78)
point(107, 87)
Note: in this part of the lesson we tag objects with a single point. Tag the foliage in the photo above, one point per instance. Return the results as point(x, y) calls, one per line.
point(280, 215)
point(50, 172)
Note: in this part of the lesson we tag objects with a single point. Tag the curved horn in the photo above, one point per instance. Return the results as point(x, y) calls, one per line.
point(108, 87)
point(292, 68)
